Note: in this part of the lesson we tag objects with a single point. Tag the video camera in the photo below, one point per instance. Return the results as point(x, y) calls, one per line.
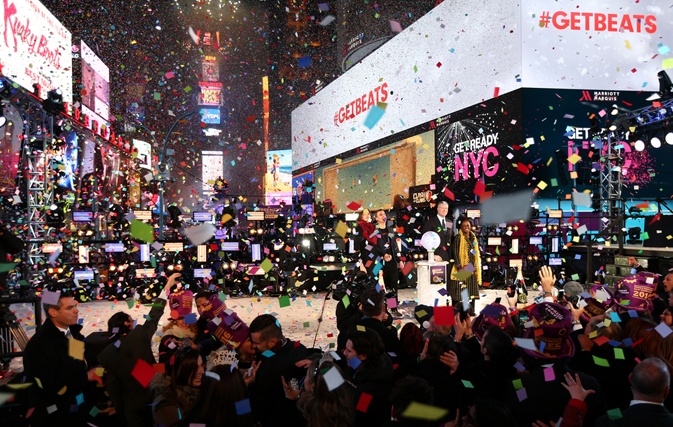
point(353, 287)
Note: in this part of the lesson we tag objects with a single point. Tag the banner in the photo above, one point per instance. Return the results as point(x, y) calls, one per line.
point(278, 179)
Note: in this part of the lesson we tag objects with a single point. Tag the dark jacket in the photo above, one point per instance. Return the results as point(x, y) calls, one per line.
point(377, 381)
point(640, 415)
point(47, 358)
point(387, 333)
point(168, 412)
point(205, 340)
point(267, 397)
point(129, 397)
point(446, 236)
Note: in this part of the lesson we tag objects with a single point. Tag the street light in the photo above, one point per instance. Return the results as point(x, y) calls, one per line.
point(164, 170)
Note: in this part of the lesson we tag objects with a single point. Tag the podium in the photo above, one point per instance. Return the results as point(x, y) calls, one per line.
point(432, 278)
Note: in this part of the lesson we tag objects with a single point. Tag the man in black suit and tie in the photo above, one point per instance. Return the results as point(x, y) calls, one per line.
point(443, 226)
point(650, 382)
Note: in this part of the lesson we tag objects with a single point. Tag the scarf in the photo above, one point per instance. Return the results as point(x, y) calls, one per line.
point(467, 244)
point(368, 230)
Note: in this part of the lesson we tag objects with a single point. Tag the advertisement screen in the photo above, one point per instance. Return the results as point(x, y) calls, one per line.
point(375, 178)
point(426, 71)
point(212, 169)
point(278, 178)
point(144, 153)
point(482, 144)
point(65, 158)
point(96, 85)
point(302, 189)
point(562, 130)
point(210, 115)
point(211, 71)
point(615, 46)
point(10, 147)
point(35, 48)
point(110, 175)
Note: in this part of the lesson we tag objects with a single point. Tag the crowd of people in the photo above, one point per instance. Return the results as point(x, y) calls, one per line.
point(605, 361)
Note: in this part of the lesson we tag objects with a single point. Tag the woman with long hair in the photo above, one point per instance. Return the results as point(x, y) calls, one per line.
point(175, 392)
point(215, 406)
point(466, 252)
point(320, 406)
point(389, 251)
point(367, 242)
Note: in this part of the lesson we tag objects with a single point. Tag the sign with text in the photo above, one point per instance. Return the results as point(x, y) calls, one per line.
point(35, 48)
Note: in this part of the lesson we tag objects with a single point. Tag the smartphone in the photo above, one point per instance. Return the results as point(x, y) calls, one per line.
point(523, 317)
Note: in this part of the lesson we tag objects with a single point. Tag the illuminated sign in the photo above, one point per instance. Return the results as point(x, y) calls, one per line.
point(210, 115)
point(144, 153)
point(35, 48)
point(211, 71)
point(210, 97)
point(173, 247)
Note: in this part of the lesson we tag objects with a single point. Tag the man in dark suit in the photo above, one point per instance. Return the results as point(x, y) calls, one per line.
point(443, 226)
point(131, 400)
point(650, 382)
point(278, 357)
point(59, 379)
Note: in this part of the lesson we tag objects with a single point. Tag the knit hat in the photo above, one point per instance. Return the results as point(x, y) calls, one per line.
point(181, 304)
point(637, 292)
point(492, 314)
point(555, 324)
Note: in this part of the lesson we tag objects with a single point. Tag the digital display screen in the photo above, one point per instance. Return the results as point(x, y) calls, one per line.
point(143, 215)
point(352, 216)
point(256, 252)
point(84, 275)
point(536, 240)
point(143, 273)
point(114, 247)
point(255, 216)
point(555, 244)
point(174, 247)
point(145, 252)
point(82, 216)
point(555, 261)
point(230, 246)
point(203, 216)
point(494, 241)
point(417, 243)
point(329, 247)
point(201, 273)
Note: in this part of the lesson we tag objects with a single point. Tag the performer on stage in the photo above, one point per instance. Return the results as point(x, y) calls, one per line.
point(367, 239)
point(466, 252)
point(389, 251)
point(443, 226)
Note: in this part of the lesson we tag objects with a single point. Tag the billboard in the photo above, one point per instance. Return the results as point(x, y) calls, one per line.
point(212, 169)
point(144, 153)
point(10, 148)
point(374, 178)
point(602, 45)
point(210, 115)
point(35, 48)
point(429, 69)
point(302, 194)
point(211, 71)
point(278, 178)
point(96, 82)
point(211, 93)
point(65, 157)
point(482, 144)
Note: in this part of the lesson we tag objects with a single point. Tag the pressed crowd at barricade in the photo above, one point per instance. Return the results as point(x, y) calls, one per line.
point(605, 361)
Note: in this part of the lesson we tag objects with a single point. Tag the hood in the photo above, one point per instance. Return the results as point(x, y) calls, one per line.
point(161, 384)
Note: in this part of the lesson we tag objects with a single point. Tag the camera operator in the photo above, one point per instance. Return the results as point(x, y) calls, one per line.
point(348, 317)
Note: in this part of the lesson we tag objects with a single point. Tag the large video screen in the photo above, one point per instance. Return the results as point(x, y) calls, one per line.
point(373, 179)
point(429, 69)
point(562, 129)
point(96, 82)
point(303, 189)
point(35, 48)
point(10, 148)
point(482, 143)
point(65, 157)
point(278, 178)
point(212, 169)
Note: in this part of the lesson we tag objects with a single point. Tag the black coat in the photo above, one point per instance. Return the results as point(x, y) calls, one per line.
point(204, 339)
point(9, 244)
point(47, 358)
point(387, 333)
point(267, 397)
point(130, 398)
point(640, 415)
point(446, 237)
point(377, 381)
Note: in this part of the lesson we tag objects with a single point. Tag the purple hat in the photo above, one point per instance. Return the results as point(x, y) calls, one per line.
point(492, 314)
point(637, 292)
point(181, 304)
point(214, 307)
point(229, 328)
point(596, 306)
point(552, 325)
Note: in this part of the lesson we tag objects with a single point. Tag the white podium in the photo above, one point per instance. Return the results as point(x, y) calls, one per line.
point(432, 277)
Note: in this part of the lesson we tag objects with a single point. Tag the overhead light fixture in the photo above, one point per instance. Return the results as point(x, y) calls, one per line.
point(615, 110)
point(669, 138)
point(640, 145)
point(655, 142)
point(613, 127)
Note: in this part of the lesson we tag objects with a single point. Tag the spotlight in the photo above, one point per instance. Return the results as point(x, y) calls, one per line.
point(253, 231)
point(613, 127)
point(170, 268)
point(225, 266)
point(640, 145)
point(306, 242)
point(232, 266)
point(669, 138)
point(260, 231)
point(655, 142)
point(112, 267)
